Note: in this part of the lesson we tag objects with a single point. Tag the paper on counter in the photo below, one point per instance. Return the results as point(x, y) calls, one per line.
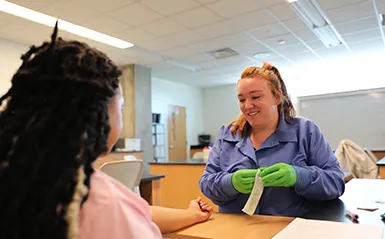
point(255, 195)
point(304, 229)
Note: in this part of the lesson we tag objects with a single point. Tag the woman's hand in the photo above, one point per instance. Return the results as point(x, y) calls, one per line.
point(200, 209)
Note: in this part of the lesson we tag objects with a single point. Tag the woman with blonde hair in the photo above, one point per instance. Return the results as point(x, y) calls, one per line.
point(297, 164)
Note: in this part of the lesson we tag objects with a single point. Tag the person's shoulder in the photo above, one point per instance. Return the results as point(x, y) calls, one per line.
point(106, 193)
point(114, 210)
point(226, 134)
point(305, 124)
point(224, 130)
point(105, 189)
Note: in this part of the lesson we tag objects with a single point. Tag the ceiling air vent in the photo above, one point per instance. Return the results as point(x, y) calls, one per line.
point(223, 53)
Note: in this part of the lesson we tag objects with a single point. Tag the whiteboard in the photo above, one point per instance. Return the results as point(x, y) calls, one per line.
point(356, 115)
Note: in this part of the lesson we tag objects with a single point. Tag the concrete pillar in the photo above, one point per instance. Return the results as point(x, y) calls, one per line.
point(137, 113)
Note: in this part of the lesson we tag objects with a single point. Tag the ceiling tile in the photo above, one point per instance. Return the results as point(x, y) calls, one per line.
point(359, 10)
point(381, 6)
point(177, 52)
point(157, 45)
point(215, 30)
point(229, 62)
point(269, 3)
point(295, 24)
point(357, 25)
point(34, 5)
point(251, 20)
point(333, 52)
point(204, 46)
point(163, 27)
point(304, 57)
point(230, 8)
point(292, 49)
point(185, 38)
point(268, 31)
point(161, 66)
point(316, 44)
point(65, 10)
point(332, 4)
point(232, 39)
point(173, 41)
point(273, 41)
point(37, 33)
point(220, 42)
point(135, 14)
point(106, 25)
point(362, 36)
point(170, 7)
point(306, 35)
point(135, 36)
point(250, 48)
point(191, 19)
point(205, 2)
point(103, 6)
point(197, 58)
point(283, 11)
point(6, 19)
point(365, 47)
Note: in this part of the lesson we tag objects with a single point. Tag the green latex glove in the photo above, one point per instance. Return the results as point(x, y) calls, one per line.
point(279, 175)
point(243, 180)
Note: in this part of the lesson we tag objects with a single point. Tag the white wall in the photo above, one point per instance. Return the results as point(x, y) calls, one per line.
point(166, 93)
point(10, 61)
point(220, 106)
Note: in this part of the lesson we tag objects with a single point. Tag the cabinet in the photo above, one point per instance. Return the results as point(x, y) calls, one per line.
point(158, 141)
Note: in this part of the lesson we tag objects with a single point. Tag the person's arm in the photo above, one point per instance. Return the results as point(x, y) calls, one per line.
point(215, 183)
point(170, 219)
point(323, 178)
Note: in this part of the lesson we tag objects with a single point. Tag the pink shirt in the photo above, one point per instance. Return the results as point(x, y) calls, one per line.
point(114, 211)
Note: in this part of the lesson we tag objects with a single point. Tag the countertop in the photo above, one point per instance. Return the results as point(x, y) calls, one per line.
point(150, 177)
point(180, 162)
point(381, 162)
point(120, 152)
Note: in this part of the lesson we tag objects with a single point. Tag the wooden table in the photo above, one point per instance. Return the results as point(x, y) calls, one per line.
point(243, 226)
point(381, 166)
point(230, 226)
point(150, 188)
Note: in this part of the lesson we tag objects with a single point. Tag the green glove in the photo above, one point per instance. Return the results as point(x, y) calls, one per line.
point(279, 175)
point(243, 180)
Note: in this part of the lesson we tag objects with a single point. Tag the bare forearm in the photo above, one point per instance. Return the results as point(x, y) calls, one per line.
point(170, 220)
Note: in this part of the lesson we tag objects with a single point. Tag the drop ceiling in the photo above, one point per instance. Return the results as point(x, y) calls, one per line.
point(184, 31)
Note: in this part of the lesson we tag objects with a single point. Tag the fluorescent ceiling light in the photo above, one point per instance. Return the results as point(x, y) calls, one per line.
point(326, 35)
point(314, 18)
point(50, 21)
point(291, 1)
point(382, 19)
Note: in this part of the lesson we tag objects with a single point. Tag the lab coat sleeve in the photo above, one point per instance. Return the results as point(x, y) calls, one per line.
point(215, 183)
point(322, 179)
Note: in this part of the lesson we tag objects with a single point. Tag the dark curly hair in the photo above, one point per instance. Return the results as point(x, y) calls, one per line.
point(53, 124)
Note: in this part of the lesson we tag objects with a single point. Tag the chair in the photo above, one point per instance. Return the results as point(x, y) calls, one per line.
point(356, 160)
point(128, 172)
